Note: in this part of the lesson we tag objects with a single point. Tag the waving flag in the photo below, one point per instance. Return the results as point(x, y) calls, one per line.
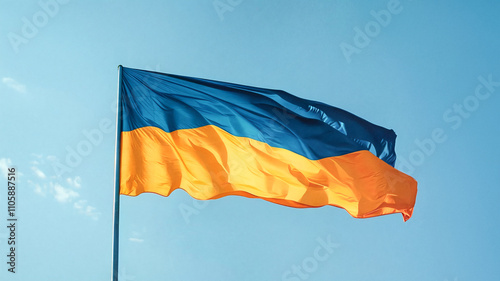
point(214, 139)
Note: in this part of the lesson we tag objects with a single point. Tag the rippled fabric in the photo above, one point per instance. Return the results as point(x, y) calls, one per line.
point(214, 139)
point(311, 129)
point(210, 163)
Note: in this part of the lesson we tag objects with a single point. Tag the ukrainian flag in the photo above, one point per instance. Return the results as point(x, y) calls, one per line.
point(214, 139)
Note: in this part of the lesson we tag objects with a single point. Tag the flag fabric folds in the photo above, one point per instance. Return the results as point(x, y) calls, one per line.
point(214, 139)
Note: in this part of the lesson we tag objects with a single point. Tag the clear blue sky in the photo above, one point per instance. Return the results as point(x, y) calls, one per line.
point(428, 70)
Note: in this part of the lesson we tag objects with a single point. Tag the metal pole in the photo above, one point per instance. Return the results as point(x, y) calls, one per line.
point(116, 201)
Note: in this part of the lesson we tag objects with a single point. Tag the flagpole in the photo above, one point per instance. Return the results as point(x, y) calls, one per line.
point(116, 200)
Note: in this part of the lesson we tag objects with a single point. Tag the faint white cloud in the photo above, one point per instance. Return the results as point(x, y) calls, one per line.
point(80, 204)
point(13, 84)
point(84, 208)
point(63, 194)
point(136, 240)
point(63, 190)
point(75, 182)
point(38, 172)
point(135, 237)
point(5, 163)
point(38, 161)
point(91, 212)
point(52, 158)
point(39, 156)
point(38, 188)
